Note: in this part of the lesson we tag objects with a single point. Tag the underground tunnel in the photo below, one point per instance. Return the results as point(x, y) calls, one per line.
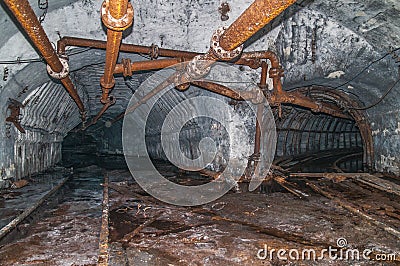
point(187, 132)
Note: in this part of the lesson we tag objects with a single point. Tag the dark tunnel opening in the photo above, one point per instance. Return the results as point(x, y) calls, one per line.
point(313, 142)
point(306, 141)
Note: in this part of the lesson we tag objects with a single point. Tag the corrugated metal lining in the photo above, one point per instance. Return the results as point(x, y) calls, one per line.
point(301, 131)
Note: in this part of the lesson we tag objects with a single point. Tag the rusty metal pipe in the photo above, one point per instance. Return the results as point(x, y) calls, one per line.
point(280, 96)
point(255, 17)
point(145, 98)
point(148, 65)
point(260, 109)
point(257, 139)
point(99, 114)
point(269, 55)
point(263, 79)
point(220, 89)
point(129, 48)
point(114, 10)
point(253, 160)
point(28, 21)
point(107, 80)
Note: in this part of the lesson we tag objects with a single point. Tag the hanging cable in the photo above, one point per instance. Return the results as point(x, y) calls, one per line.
point(43, 5)
point(39, 59)
point(354, 77)
point(379, 100)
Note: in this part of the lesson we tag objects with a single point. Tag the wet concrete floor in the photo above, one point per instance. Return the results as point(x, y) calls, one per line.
point(241, 228)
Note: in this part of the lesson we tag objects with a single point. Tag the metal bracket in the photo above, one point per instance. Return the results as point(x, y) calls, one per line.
point(15, 107)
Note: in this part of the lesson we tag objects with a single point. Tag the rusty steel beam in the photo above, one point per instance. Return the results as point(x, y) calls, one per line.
point(117, 15)
point(15, 108)
point(255, 17)
point(104, 231)
point(28, 21)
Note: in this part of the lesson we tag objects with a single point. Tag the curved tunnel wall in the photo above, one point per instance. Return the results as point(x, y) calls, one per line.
point(302, 132)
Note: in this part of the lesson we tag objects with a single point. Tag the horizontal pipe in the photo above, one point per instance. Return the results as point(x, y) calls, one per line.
point(252, 59)
point(247, 58)
point(148, 65)
point(129, 48)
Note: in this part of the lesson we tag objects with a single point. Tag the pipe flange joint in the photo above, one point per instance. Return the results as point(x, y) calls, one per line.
point(127, 71)
point(154, 51)
point(218, 51)
point(197, 67)
point(111, 100)
point(115, 24)
point(83, 115)
point(105, 85)
point(276, 72)
point(63, 73)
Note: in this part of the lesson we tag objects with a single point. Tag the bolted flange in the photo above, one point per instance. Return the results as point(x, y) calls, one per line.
point(63, 73)
point(218, 51)
point(198, 67)
point(114, 23)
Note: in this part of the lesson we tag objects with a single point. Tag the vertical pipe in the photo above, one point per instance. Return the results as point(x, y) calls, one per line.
point(116, 9)
point(260, 108)
point(26, 18)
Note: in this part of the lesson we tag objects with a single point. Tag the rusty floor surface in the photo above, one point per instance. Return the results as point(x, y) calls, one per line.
point(236, 229)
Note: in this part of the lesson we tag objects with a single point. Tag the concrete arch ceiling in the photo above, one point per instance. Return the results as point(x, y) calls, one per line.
point(319, 42)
